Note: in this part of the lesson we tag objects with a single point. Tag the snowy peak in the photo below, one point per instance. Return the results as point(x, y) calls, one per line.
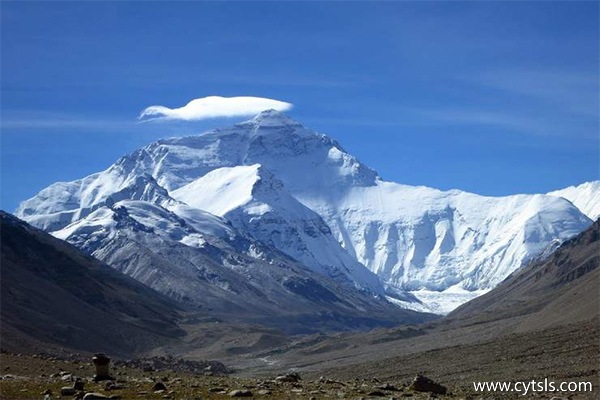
point(65, 202)
point(272, 119)
point(221, 190)
point(225, 189)
point(271, 139)
point(182, 224)
point(586, 197)
point(143, 188)
point(257, 202)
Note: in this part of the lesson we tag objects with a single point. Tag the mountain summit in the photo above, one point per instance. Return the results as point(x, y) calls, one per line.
point(273, 118)
point(302, 193)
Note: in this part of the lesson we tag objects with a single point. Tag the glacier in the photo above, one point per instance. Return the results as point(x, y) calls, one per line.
point(299, 191)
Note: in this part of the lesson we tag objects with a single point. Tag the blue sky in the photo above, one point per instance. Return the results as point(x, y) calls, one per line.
point(495, 98)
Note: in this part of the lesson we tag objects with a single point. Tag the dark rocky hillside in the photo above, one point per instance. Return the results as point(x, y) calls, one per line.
point(55, 296)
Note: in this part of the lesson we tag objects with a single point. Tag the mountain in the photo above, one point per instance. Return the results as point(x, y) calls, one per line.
point(558, 290)
point(301, 192)
point(586, 197)
point(253, 200)
point(542, 321)
point(203, 262)
point(55, 295)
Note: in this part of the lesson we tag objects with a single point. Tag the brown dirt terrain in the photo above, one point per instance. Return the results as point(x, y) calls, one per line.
point(567, 353)
point(28, 377)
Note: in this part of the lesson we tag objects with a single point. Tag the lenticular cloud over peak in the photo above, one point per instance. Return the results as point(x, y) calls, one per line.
point(214, 107)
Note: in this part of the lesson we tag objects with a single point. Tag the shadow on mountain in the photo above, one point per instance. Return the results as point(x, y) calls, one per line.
point(55, 296)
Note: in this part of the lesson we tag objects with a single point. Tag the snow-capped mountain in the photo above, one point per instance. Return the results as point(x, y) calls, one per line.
point(586, 197)
point(253, 200)
point(201, 260)
point(301, 192)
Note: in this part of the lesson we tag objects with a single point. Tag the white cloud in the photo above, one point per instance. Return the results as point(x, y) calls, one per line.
point(214, 107)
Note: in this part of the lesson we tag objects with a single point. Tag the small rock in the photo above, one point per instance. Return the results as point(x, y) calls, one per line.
point(376, 393)
point(217, 390)
point(240, 393)
point(387, 386)
point(423, 384)
point(329, 381)
point(159, 386)
point(66, 377)
point(264, 392)
point(110, 385)
point(47, 391)
point(78, 385)
point(67, 391)
point(291, 377)
point(94, 396)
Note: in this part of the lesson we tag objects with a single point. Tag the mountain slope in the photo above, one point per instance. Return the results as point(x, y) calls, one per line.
point(542, 321)
point(52, 293)
point(200, 260)
point(558, 290)
point(444, 247)
point(253, 200)
point(585, 196)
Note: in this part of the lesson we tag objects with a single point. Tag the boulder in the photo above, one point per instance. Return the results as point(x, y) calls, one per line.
point(67, 391)
point(94, 396)
point(240, 393)
point(423, 384)
point(291, 377)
